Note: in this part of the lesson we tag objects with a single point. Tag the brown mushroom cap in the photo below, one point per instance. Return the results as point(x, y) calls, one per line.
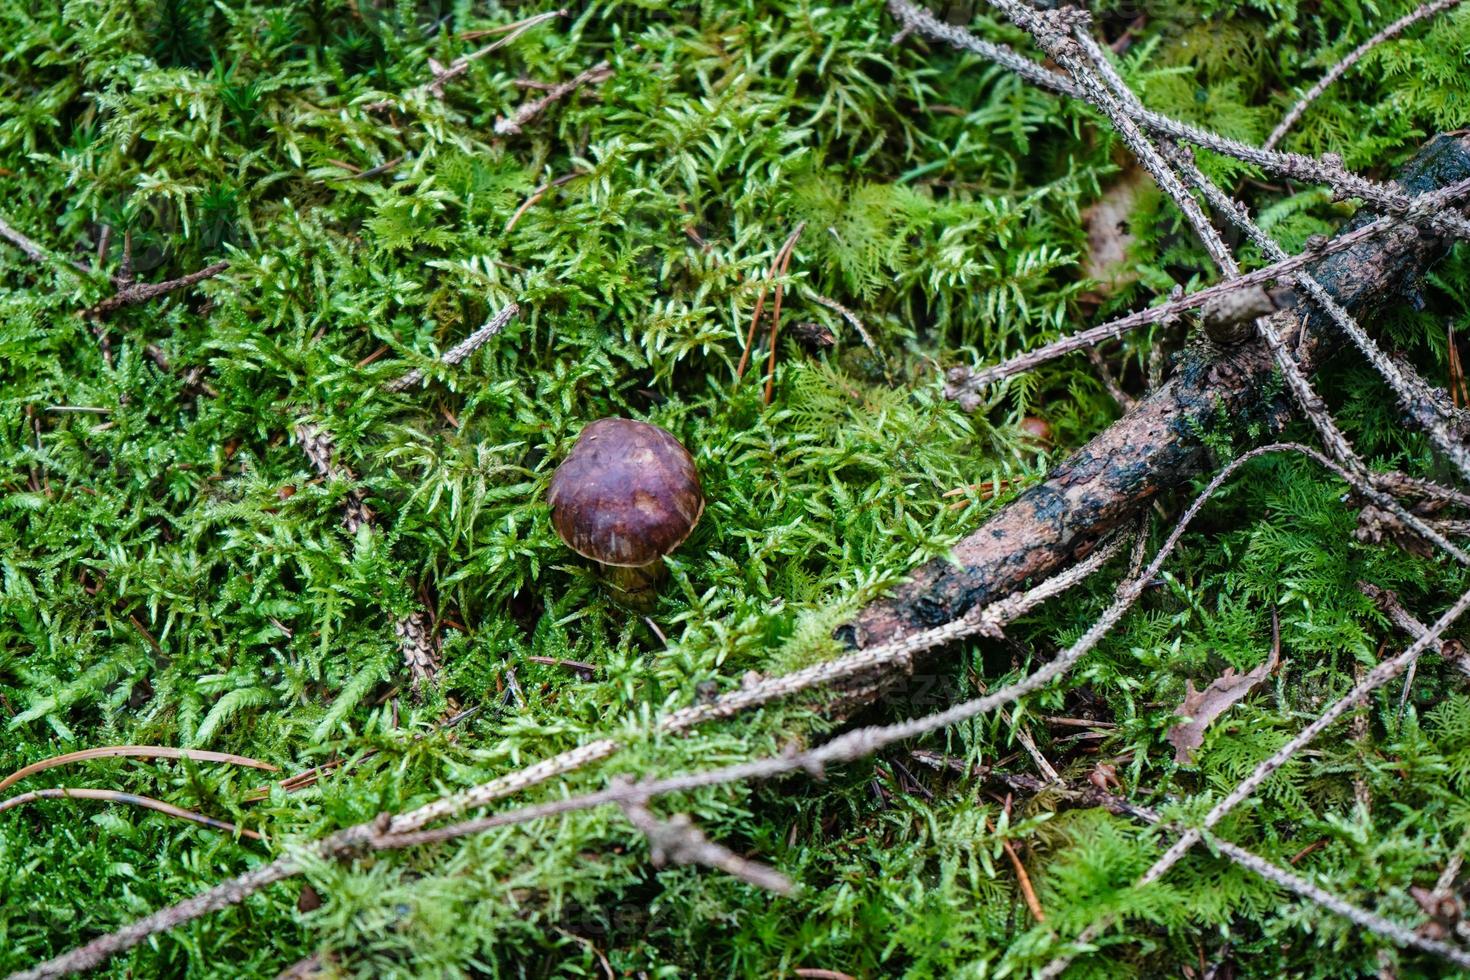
point(627, 494)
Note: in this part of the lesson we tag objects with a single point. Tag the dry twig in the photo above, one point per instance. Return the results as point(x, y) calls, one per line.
point(130, 799)
point(137, 752)
point(461, 350)
point(512, 125)
point(442, 76)
point(1338, 70)
point(678, 841)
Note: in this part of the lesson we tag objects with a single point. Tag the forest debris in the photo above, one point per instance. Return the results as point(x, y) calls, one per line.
point(461, 350)
point(1228, 318)
point(130, 292)
point(1158, 446)
point(512, 125)
point(137, 752)
point(317, 444)
point(416, 640)
point(1338, 70)
point(130, 799)
point(1376, 526)
point(1443, 909)
point(1108, 237)
point(1203, 707)
point(678, 841)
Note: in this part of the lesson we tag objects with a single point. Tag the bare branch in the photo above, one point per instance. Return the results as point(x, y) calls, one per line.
point(595, 75)
point(1327, 171)
point(1338, 70)
point(461, 350)
point(678, 841)
point(130, 293)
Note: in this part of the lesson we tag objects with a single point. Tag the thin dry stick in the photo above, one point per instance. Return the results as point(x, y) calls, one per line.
point(538, 194)
point(355, 838)
point(443, 76)
point(1404, 620)
point(1124, 400)
point(414, 631)
point(35, 252)
point(760, 298)
point(1338, 70)
point(137, 752)
point(461, 350)
point(1277, 875)
point(678, 841)
point(131, 292)
point(1329, 171)
point(130, 799)
point(853, 320)
point(1030, 360)
point(511, 126)
point(776, 307)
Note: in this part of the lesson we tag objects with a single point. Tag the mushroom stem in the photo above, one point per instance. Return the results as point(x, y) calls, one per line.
point(635, 586)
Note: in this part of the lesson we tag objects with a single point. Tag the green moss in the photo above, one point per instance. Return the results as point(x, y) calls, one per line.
point(174, 572)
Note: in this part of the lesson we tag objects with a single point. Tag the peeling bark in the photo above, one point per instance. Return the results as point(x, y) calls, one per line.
point(1158, 446)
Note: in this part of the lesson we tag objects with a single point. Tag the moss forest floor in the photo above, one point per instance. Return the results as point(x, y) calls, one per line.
point(175, 569)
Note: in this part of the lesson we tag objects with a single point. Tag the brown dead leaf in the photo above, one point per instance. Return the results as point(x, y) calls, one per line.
point(1203, 707)
point(1108, 238)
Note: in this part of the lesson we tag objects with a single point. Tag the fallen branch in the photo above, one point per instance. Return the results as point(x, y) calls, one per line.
point(1160, 445)
point(595, 75)
point(461, 350)
point(1338, 70)
point(130, 293)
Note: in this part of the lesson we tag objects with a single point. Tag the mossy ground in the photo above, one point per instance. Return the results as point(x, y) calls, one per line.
point(173, 572)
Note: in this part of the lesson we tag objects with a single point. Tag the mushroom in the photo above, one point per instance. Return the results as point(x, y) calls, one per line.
point(626, 496)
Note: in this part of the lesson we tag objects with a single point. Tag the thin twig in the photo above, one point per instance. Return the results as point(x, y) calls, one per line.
point(443, 76)
point(1338, 70)
point(130, 799)
point(132, 293)
point(137, 752)
point(1172, 309)
point(461, 350)
point(595, 75)
point(538, 194)
point(854, 321)
point(678, 841)
point(36, 252)
point(1323, 171)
